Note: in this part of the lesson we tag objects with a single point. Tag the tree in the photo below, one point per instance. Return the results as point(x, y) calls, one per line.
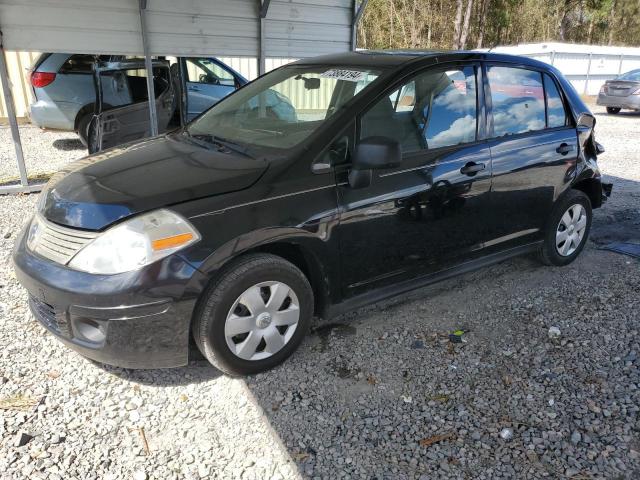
point(465, 27)
point(457, 25)
point(487, 23)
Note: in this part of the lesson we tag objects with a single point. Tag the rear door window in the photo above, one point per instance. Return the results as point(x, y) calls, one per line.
point(517, 97)
point(126, 87)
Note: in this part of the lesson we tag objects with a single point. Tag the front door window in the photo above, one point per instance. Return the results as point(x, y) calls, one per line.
point(435, 109)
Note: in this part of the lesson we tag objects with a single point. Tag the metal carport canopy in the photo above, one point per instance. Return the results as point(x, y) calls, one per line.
point(253, 28)
point(291, 28)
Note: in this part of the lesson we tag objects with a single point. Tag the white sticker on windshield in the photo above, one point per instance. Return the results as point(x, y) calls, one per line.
point(348, 75)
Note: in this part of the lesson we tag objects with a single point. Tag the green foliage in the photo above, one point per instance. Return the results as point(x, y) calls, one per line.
point(431, 23)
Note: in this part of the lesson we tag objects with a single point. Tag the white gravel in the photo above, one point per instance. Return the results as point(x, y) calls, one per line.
point(383, 394)
point(45, 152)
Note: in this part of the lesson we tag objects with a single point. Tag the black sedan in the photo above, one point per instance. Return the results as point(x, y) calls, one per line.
point(397, 170)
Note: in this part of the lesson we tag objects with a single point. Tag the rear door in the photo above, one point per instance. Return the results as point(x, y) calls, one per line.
point(533, 149)
point(207, 83)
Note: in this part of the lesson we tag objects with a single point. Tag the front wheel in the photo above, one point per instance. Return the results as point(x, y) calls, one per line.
point(254, 316)
point(613, 110)
point(567, 229)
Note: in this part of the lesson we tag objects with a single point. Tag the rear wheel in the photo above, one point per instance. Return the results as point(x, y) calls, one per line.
point(83, 128)
point(567, 229)
point(254, 316)
point(613, 110)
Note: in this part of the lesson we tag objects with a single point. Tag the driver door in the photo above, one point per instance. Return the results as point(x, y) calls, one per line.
point(429, 213)
point(207, 84)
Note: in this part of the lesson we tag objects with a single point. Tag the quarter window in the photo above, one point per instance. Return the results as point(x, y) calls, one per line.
point(556, 115)
point(434, 109)
point(517, 97)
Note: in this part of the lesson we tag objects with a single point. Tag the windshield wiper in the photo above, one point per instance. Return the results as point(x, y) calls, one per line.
point(207, 140)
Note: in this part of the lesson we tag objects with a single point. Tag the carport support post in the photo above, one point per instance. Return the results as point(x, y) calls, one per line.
point(620, 64)
point(586, 82)
point(11, 113)
point(264, 9)
point(358, 11)
point(148, 64)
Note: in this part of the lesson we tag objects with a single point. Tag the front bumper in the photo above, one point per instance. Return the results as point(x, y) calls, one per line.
point(631, 102)
point(133, 320)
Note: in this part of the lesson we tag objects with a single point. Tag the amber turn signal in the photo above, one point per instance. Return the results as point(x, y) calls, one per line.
point(171, 242)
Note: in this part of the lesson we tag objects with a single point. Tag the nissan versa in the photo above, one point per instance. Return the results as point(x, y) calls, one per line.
point(393, 171)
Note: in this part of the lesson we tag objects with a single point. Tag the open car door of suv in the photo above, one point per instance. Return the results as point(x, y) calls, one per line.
point(114, 125)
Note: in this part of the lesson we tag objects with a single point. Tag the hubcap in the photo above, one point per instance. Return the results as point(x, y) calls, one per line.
point(262, 320)
point(571, 230)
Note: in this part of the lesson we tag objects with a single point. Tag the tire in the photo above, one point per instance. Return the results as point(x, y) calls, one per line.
point(235, 296)
point(613, 110)
point(83, 127)
point(555, 251)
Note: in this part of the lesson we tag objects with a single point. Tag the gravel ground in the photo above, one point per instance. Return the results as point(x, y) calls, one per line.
point(45, 152)
point(381, 393)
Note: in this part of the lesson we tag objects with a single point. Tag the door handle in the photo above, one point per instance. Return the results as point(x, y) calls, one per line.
point(564, 148)
point(472, 168)
point(193, 89)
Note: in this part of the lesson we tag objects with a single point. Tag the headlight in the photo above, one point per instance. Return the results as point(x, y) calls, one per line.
point(135, 243)
point(33, 233)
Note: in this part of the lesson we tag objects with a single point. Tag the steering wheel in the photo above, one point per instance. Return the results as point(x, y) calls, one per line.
point(209, 79)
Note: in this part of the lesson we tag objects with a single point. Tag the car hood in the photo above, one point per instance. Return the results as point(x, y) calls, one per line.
point(100, 189)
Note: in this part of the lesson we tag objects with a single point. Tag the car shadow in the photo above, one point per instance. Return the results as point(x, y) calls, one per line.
point(68, 144)
point(621, 114)
point(199, 370)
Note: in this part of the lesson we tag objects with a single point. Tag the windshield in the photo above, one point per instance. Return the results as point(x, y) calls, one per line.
point(284, 107)
point(633, 75)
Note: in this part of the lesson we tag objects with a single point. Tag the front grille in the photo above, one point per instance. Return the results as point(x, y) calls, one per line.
point(60, 243)
point(49, 316)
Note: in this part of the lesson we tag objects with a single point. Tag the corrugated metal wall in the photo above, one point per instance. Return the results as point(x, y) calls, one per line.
point(18, 63)
point(293, 28)
point(585, 66)
point(587, 72)
point(306, 28)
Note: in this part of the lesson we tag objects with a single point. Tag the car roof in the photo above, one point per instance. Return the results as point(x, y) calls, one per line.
point(396, 58)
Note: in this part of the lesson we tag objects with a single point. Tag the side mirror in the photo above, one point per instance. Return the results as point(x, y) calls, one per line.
point(373, 153)
point(586, 120)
